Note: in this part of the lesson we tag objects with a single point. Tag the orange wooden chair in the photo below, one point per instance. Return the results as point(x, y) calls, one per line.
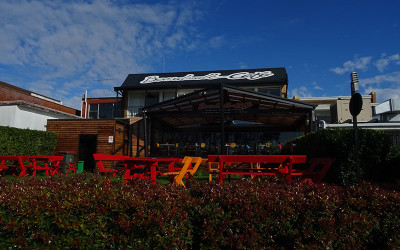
point(186, 169)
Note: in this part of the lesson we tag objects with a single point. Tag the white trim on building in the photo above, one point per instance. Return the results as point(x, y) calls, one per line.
point(21, 114)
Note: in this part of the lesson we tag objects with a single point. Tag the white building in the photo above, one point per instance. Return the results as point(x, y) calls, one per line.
point(21, 114)
point(334, 112)
point(21, 108)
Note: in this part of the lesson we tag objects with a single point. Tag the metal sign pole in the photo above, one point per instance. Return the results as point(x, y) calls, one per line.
point(146, 153)
point(355, 109)
point(222, 118)
point(356, 145)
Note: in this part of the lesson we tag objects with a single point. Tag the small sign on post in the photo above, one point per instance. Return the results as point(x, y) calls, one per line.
point(356, 104)
point(110, 139)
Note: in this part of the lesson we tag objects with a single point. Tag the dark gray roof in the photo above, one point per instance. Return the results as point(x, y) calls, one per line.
point(254, 77)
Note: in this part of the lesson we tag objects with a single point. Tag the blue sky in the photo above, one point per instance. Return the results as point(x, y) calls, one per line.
point(63, 48)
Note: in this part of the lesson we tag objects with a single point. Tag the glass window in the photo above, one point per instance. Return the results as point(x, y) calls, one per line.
point(101, 110)
point(106, 110)
point(135, 102)
point(152, 97)
point(182, 92)
point(169, 94)
point(118, 109)
point(270, 91)
point(93, 110)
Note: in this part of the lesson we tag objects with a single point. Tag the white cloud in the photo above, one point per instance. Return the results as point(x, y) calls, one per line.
point(382, 63)
point(101, 93)
point(73, 102)
point(386, 86)
point(390, 78)
point(46, 88)
point(243, 65)
point(316, 86)
point(301, 92)
point(383, 94)
point(359, 63)
point(216, 42)
point(71, 43)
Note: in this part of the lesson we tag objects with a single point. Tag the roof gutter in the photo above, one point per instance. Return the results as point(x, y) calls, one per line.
point(380, 126)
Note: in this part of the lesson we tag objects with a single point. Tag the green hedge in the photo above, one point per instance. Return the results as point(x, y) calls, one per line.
point(339, 144)
point(87, 212)
point(392, 166)
point(15, 141)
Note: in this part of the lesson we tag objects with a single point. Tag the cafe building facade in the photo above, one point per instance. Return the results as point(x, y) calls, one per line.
point(212, 112)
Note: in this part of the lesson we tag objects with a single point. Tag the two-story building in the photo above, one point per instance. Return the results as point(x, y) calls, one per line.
point(223, 111)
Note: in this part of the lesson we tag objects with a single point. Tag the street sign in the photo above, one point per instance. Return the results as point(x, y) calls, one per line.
point(355, 104)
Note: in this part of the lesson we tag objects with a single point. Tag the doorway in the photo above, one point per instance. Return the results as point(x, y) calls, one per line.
point(87, 147)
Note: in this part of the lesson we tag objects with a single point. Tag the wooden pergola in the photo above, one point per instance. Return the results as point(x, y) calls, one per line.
point(203, 109)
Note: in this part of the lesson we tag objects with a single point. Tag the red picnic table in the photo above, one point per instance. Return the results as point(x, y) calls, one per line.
point(16, 162)
point(141, 167)
point(48, 163)
point(137, 167)
point(285, 163)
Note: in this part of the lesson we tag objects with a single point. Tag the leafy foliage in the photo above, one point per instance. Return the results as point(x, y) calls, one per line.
point(338, 144)
point(86, 211)
point(392, 164)
point(15, 141)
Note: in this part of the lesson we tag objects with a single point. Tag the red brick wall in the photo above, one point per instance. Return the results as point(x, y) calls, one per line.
point(12, 93)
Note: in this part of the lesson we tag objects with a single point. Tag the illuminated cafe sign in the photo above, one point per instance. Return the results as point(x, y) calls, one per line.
point(212, 76)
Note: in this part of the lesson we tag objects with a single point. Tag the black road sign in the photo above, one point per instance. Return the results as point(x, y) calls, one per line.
point(355, 105)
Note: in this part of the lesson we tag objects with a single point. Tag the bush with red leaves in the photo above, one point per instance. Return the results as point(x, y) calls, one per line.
point(87, 212)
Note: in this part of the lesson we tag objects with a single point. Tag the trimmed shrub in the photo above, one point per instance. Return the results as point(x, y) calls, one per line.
point(392, 165)
point(15, 141)
point(338, 144)
point(85, 211)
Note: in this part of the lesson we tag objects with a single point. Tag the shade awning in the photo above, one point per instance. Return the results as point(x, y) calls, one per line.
point(203, 107)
